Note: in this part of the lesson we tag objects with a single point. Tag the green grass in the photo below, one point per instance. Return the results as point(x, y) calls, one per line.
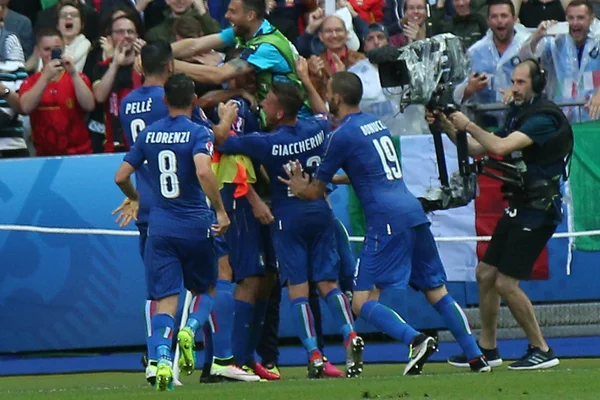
point(572, 379)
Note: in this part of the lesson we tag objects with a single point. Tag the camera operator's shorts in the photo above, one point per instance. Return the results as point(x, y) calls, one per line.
point(514, 248)
point(394, 261)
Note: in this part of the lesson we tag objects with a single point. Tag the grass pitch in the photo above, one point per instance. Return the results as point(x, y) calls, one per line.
point(572, 379)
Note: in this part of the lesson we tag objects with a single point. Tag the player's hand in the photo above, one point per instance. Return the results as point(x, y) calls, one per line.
point(228, 112)
point(222, 223)
point(211, 58)
point(250, 98)
point(459, 121)
point(127, 212)
point(298, 180)
point(507, 96)
point(316, 65)
point(262, 212)
point(302, 69)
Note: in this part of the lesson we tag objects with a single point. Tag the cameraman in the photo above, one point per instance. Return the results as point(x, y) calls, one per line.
point(537, 139)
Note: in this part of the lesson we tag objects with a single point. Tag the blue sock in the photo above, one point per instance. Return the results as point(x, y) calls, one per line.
point(163, 326)
point(303, 321)
point(260, 310)
point(223, 319)
point(150, 310)
point(200, 308)
point(457, 323)
point(242, 322)
point(342, 314)
point(388, 321)
point(208, 341)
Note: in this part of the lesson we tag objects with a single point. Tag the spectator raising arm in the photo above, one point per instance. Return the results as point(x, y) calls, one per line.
point(103, 87)
point(31, 99)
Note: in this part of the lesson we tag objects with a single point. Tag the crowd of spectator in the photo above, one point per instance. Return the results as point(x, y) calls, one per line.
point(66, 64)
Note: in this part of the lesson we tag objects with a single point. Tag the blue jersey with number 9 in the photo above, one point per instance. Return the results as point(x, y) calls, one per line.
point(362, 146)
point(170, 145)
point(139, 109)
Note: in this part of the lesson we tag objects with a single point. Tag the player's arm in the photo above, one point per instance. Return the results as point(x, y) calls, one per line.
point(490, 142)
point(260, 209)
point(210, 186)
point(228, 113)
point(123, 180)
point(215, 97)
point(188, 48)
point(314, 98)
point(301, 184)
point(210, 74)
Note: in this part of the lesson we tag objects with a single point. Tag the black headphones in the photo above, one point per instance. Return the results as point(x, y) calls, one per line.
point(538, 76)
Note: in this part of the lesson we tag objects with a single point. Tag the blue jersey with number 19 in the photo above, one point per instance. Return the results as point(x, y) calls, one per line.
point(362, 146)
point(139, 109)
point(169, 145)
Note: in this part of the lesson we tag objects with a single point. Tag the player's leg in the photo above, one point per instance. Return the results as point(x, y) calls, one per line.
point(268, 345)
point(429, 276)
point(149, 359)
point(347, 258)
point(163, 279)
point(325, 270)
point(523, 248)
point(385, 262)
point(200, 271)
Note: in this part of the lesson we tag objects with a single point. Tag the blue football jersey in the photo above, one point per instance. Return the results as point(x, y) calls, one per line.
point(304, 141)
point(362, 146)
point(169, 145)
point(140, 109)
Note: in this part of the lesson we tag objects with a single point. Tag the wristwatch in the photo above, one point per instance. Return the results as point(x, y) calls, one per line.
point(5, 92)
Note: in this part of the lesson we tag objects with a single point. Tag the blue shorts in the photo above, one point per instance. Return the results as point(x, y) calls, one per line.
point(394, 261)
point(170, 260)
point(308, 253)
point(246, 255)
point(221, 247)
point(143, 229)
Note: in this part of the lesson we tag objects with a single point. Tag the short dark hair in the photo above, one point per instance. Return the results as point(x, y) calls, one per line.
point(126, 17)
point(187, 27)
point(180, 91)
point(577, 3)
point(47, 32)
point(156, 56)
point(509, 3)
point(74, 4)
point(106, 19)
point(258, 6)
point(289, 96)
point(348, 86)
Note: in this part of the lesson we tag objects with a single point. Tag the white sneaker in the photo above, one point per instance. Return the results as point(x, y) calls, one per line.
point(233, 372)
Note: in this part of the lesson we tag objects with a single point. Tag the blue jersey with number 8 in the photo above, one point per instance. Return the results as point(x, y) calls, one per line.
point(362, 146)
point(169, 145)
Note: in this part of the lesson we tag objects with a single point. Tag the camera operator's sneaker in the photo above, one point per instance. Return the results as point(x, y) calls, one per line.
point(535, 358)
point(491, 356)
point(421, 348)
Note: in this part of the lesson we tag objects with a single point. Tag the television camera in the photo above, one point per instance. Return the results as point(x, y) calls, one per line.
point(426, 72)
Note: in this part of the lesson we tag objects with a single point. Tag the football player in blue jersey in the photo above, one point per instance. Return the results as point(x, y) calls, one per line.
point(245, 239)
point(139, 109)
point(399, 248)
point(303, 232)
point(180, 224)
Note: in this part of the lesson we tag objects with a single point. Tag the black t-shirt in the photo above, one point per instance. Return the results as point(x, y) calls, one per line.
point(534, 12)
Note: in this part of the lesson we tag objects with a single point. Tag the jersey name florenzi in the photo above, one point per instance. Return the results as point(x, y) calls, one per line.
point(139, 107)
point(372, 128)
point(298, 147)
point(168, 137)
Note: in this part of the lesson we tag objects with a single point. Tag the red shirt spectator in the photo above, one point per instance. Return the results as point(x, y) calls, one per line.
point(56, 99)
